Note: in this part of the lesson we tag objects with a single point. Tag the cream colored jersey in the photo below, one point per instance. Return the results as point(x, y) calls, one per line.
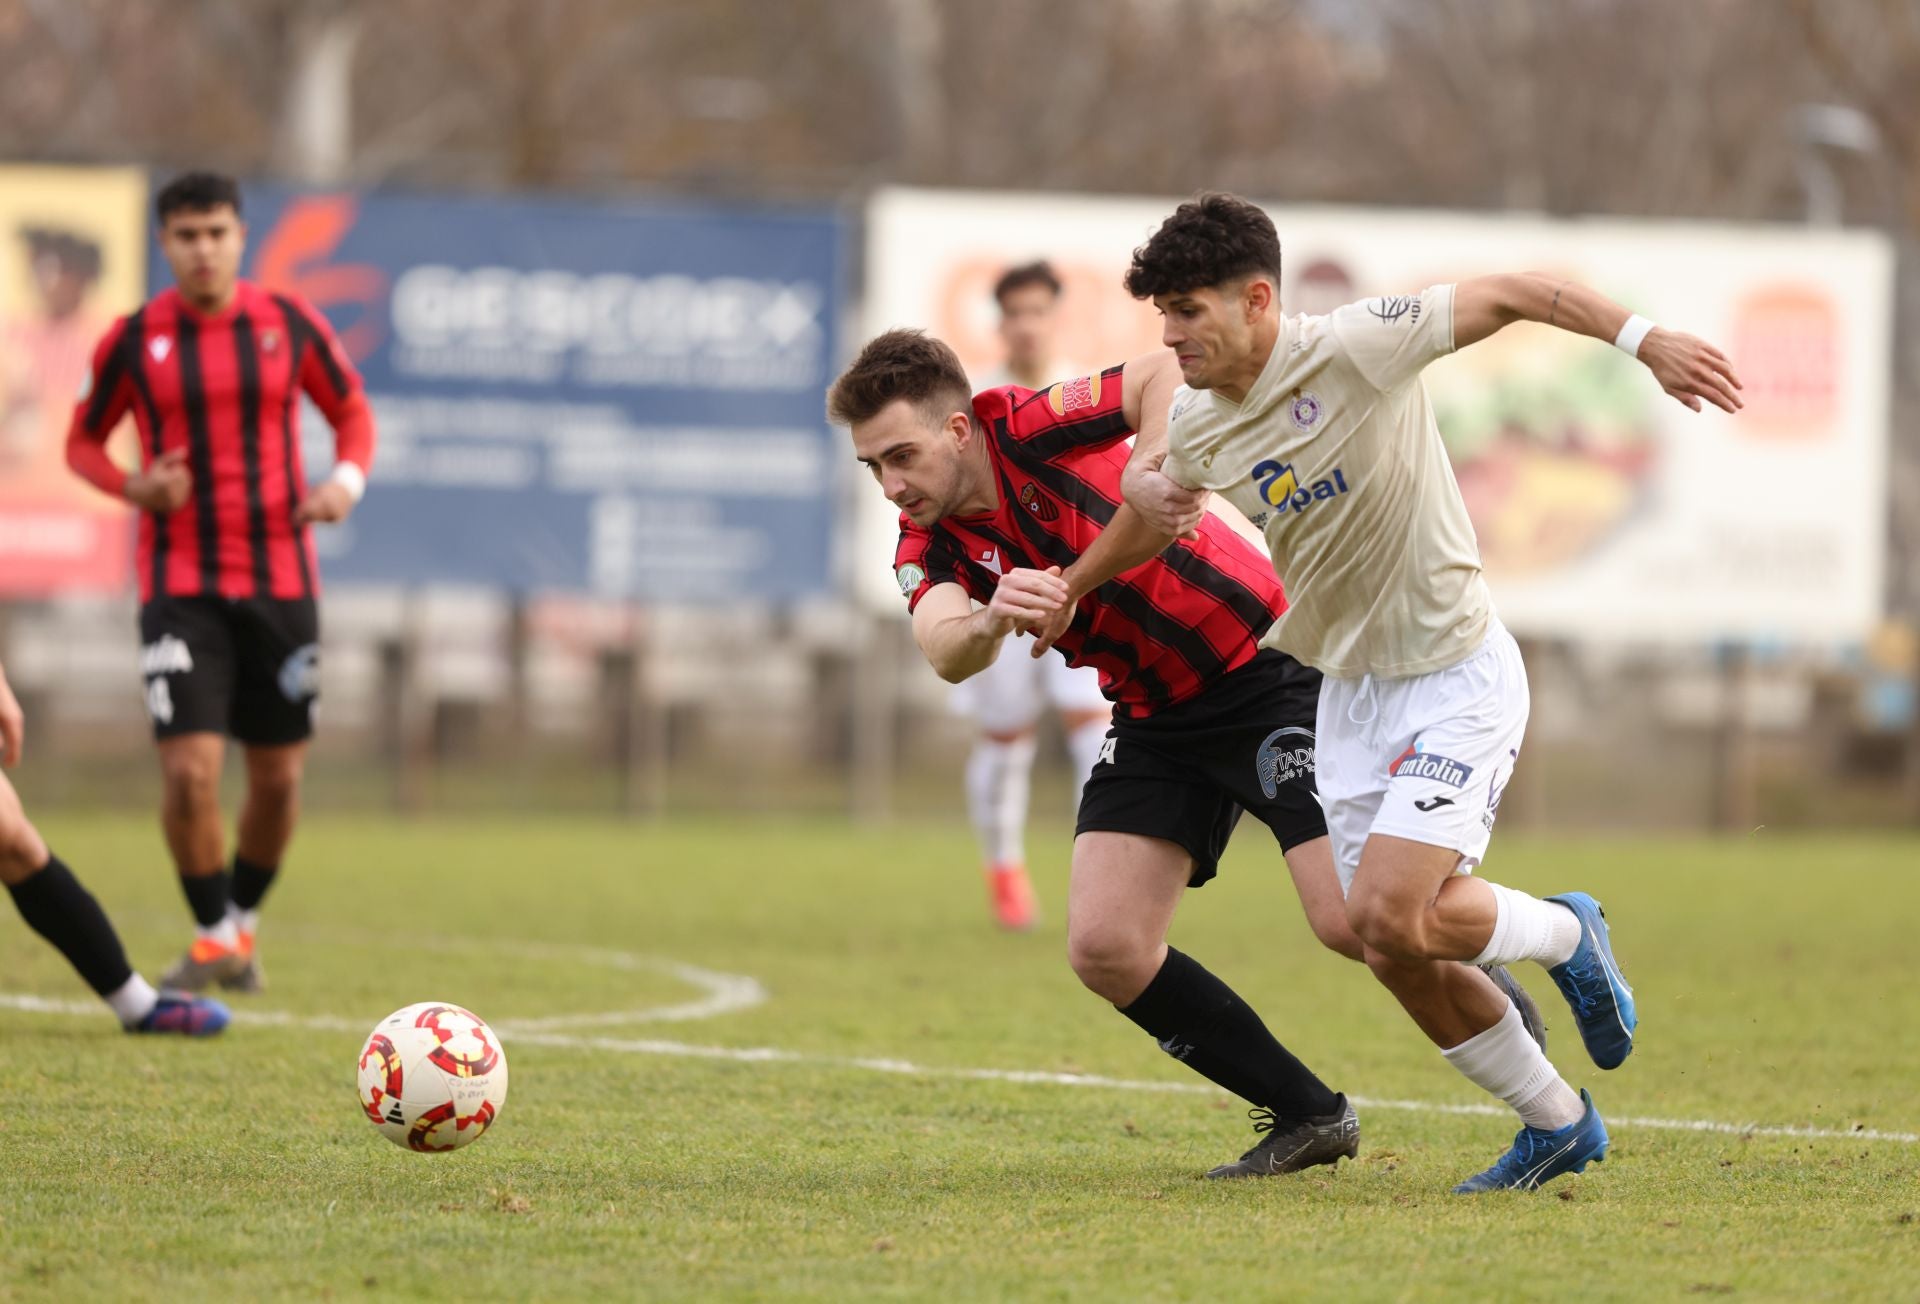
point(1336, 456)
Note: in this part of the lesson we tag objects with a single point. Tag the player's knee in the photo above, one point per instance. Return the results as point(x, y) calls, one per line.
point(22, 851)
point(1382, 925)
point(276, 784)
point(1111, 965)
point(191, 779)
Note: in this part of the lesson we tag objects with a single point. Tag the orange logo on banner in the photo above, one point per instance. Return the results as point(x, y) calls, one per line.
point(297, 254)
point(1786, 347)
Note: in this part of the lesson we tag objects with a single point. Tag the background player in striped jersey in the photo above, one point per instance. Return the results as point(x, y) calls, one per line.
point(1006, 698)
point(212, 371)
point(1000, 490)
point(57, 907)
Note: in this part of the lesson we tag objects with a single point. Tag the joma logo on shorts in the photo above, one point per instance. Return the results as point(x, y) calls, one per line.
point(1415, 763)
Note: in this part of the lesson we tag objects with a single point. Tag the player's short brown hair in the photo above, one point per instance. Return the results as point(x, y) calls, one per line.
point(1210, 240)
point(196, 192)
point(1019, 278)
point(901, 364)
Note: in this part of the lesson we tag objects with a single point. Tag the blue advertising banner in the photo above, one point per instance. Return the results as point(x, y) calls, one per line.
point(623, 401)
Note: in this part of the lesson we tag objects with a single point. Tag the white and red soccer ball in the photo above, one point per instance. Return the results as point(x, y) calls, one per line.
point(432, 1076)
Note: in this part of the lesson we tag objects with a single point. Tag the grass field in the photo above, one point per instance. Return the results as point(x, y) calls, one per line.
point(634, 1160)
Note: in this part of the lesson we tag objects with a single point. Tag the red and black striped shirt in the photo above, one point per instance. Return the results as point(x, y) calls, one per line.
point(226, 389)
point(1160, 633)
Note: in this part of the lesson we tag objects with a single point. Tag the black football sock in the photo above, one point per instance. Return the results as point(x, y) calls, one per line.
point(55, 906)
point(207, 895)
point(250, 883)
point(1198, 1020)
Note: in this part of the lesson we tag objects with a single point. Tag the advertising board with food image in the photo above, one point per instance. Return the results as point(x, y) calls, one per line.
point(1605, 510)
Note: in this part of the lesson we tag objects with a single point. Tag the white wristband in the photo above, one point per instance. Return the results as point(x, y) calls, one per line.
point(351, 478)
point(1636, 330)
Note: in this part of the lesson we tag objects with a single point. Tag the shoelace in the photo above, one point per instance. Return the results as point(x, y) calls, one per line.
point(1265, 1120)
point(1582, 979)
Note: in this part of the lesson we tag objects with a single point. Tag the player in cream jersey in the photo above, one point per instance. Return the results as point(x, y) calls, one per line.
point(1336, 442)
point(1320, 429)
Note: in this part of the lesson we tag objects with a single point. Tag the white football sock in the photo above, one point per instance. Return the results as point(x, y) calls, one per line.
point(223, 932)
point(1083, 745)
point(999, 776)
point(133, 1000)
point(1506, 1062)
point(247, 921)
point(1527, 928)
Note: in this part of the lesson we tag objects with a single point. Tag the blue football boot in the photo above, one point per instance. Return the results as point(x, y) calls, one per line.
point(184, 1014)
point(1591, 981)
point(1540, 1156)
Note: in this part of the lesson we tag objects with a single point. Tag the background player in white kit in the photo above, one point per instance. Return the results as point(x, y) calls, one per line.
point(1005, 700)
point(1319, 428)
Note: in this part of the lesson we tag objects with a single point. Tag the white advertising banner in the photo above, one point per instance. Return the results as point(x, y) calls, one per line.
point(1605, 510)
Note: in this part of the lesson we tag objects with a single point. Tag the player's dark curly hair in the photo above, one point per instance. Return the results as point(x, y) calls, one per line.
point(901, 364)
point(1019, 278)
point(196, 192)
point(1210, 240)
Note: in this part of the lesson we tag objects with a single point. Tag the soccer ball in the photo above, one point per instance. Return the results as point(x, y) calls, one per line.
point(432, 1076)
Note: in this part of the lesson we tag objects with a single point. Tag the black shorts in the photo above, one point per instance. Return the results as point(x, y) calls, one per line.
point(245, 667)
point(1185, 773)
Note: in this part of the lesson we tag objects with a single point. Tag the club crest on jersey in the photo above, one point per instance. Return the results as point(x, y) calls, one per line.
point(910, 577)
point(1280, 488)
point(1306, 409)
point(1072, 395)
point(269, 341)
point(160, 346)
point(1038, 503)
point(1418, 763)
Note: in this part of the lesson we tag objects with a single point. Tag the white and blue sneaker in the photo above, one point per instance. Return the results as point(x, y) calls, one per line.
point(1540, 1156)
point(1591, 981)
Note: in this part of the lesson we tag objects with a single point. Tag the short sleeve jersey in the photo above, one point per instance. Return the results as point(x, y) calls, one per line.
point(1335, 455)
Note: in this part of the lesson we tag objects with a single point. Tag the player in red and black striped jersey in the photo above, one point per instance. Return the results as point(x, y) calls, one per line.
point(212, 372)
point(999, 492)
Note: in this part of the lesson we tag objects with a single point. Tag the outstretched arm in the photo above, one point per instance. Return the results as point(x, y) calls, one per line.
point(1687, 367)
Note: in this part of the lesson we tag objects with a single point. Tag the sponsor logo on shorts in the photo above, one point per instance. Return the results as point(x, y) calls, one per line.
point(1106, 750)
point(1280, 487)
point(1418, 763)
point(159, 701)
point(300, 673)
point(168, 655)
point(1284, 755)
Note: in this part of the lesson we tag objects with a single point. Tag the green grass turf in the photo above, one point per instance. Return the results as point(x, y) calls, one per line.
point(1775, 977)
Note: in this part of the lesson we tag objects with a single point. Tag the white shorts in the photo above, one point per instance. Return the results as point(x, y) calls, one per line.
point(1008, 696)
point(1425, 758)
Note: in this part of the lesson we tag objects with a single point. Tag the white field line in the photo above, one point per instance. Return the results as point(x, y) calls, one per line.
point(529, 1032)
